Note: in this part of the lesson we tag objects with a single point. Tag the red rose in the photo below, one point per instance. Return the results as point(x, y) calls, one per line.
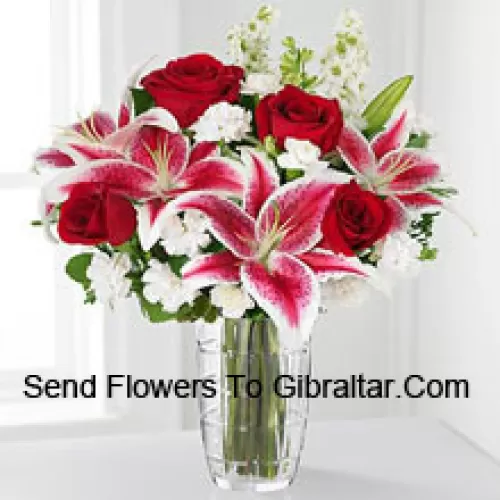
point(93, 214)
point(355, 220)
point(295, 113)
point(188, 86)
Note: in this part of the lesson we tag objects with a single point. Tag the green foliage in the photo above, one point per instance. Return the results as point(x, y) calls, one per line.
point(76, 269)
point(154, 312)
point(270, 147)
point(419, 141)
point(421, 230)
point(143, 101)
point(380, 109)
point(442, 192)
point(293, 65)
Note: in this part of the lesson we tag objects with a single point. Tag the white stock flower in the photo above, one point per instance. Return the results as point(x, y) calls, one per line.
point(261, 84)
point(185, 236)
point(400, 255)
point(249, 43)
point(232, 299)
point(223, 121)
point(108, 277)
point(347, 291)
point(164, 287)
point(302, 155)
point(345, 64)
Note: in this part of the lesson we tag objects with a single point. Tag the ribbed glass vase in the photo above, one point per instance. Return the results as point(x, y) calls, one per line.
point(253, 429)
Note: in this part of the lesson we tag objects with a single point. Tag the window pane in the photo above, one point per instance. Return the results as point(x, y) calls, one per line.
point(25, 82)
point(27, 320)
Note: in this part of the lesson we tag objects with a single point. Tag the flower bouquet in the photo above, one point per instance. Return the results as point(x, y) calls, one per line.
point(239, 195)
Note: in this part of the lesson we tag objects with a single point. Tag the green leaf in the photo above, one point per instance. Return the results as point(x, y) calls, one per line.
point(176, 262)
point(419, 141)
point(380, 109)
point(143, 101)
point(154, 312)
point(76, 269)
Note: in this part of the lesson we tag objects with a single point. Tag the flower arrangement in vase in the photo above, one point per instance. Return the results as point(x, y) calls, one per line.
point(241, 193)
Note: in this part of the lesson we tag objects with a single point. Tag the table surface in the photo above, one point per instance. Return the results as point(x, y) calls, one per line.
point(386, 459)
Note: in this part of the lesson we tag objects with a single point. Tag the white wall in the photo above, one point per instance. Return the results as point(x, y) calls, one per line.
point(459, 326)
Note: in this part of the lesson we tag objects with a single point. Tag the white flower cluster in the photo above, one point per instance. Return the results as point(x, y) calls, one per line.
point(108, 277)
point(345, 64)
point(249, 43)
point(400, 255)
point(302, 155)
point(185, 236)
point(348, 291)
point(164, 287)
point(232, 299)
point(223, 121)
point(261, 84)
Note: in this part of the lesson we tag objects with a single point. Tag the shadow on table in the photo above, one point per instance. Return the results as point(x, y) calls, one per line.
point(316, 484)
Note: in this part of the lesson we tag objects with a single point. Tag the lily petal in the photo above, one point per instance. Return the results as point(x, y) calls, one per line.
point(156, 117)
point(219, 175)
point(286, 289)
point(155, 148)
point(297, 209)
point(205, 270)
point(263, 181)
point(356, 151)
point(123, 177)
point(326, 264)
point(234, 228)
point(419, 200)
point(406, 171)
point(127, 103)
point(148, 224)
point(395, 137)
point(93, 151)
point(202, 150)
point(97, 126)
point(54, 157)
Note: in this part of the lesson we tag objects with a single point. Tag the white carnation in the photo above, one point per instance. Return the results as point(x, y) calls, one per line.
point(400, 255)
point(108, 277)
point(223, 121)
point(348, 291)
point(261, 84)
point(232, 299)
point(164, 287)
point(185, 236)
point(302, 155)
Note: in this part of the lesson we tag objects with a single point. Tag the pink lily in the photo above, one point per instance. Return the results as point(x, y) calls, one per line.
point(270, 244)
point(390, 169)
point(98, 138)
point(159, 167)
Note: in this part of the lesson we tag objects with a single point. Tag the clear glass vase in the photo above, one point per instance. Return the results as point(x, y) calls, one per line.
point(253, 429)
